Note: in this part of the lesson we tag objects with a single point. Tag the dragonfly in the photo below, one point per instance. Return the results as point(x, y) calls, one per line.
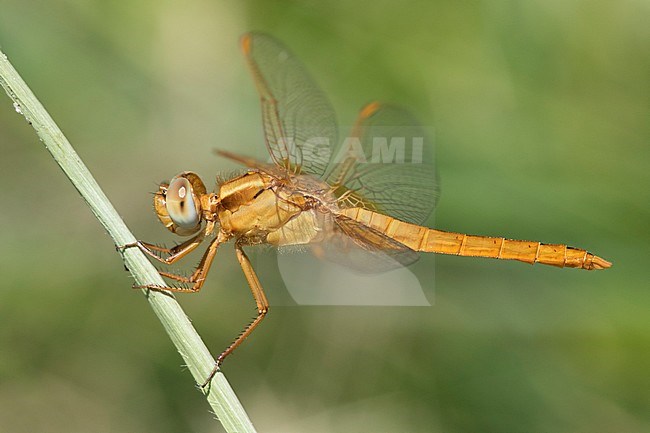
point(357, 201)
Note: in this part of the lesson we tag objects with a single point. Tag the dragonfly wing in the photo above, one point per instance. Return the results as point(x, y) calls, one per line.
point(386, 165)
point(299, 122)
point(363, 248)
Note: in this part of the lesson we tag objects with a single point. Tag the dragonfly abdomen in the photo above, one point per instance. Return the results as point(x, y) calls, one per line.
point(532, 252)
point(424, 239)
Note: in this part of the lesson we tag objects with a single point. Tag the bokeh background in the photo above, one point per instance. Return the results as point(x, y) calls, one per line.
point(541, 115)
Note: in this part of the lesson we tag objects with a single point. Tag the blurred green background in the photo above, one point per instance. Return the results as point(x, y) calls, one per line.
point(541, 115)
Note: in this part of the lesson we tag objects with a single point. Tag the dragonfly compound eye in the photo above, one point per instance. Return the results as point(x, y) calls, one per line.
point(182, 204)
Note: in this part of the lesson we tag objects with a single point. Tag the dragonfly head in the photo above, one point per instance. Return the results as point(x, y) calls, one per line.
point(178, 203)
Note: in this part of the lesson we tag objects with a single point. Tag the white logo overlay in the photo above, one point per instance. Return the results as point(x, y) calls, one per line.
point(312, 281)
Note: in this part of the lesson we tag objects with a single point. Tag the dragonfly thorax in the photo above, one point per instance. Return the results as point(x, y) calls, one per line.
point(260, 206)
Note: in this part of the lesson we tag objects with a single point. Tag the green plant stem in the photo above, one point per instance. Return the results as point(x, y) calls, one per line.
point(195, 354)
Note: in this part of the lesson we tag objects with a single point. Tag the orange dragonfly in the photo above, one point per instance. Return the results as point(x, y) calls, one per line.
point(361, 203)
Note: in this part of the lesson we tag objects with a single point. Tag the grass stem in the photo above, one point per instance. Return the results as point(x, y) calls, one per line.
point(195, 354)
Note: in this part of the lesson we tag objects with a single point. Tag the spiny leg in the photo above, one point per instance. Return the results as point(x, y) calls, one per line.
point(198, 276)
point(260, 300)
point(174, 253)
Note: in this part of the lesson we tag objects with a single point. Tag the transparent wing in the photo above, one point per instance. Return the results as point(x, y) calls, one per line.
point(386, 165)
point(299, 122)
point(363, 248)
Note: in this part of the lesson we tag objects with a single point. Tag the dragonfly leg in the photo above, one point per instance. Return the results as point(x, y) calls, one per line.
point(167, 255)
point(196, 280)
point(244, 160)
point(262, 308)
